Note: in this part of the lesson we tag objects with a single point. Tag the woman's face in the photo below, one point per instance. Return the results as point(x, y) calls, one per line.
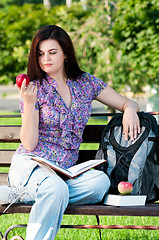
point(51, 57)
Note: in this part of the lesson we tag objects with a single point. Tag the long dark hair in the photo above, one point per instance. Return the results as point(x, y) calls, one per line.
point(54, 32)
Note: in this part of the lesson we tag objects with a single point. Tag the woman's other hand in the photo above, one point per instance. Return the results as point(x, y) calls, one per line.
point(131, 123)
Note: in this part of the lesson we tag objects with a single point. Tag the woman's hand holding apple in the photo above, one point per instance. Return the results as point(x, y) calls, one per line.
point(20, 78)
point(28, 90)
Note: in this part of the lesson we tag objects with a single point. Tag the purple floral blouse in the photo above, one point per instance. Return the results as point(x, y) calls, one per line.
point(60, 127)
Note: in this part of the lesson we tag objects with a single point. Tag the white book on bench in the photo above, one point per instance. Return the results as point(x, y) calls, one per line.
point(125, 200)
point(73, 171)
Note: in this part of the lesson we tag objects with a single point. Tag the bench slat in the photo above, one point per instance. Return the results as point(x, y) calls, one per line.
point(5, 157)
point(147, 210)
point(151, 210)
point(9, 133)
point(4, 178)
point(12, 133)
point(92, 133)
point(85, 155)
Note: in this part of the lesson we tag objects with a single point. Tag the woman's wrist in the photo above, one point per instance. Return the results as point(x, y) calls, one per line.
point(130, 105)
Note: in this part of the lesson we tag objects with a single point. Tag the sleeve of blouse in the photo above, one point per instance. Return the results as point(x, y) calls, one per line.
point(21, 105)
point(97, 85)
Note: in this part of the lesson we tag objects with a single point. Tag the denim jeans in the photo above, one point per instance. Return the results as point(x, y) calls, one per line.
point(50, 194)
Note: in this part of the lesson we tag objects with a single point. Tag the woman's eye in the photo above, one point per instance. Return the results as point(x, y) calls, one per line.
point(52, 53)
point(40, 54)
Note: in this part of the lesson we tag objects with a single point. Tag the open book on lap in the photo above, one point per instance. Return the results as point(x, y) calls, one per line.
point(73, 171)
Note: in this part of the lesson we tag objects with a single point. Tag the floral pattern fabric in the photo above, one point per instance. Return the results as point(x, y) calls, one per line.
point(60, 127)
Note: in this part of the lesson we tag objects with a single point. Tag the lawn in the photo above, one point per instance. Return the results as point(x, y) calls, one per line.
point(89, 234)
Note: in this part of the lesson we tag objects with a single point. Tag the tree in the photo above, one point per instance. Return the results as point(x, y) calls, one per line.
point(136, 33)
point(119, 46)
point(68, 3)
point(84, 5)
point(47, 4)
point(19, 24)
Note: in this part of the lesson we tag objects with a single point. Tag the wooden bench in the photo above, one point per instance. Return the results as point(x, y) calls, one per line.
point(10, 134)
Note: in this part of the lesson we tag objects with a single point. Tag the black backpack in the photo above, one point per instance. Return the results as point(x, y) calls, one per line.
point(135, 161)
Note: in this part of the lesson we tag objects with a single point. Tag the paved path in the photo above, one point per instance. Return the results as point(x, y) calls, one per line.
point(9, 98)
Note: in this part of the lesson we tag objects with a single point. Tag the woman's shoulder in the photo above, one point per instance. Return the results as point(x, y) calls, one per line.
point(89, 79)
point(41, 84)
point(42, 88)
point(86, 77)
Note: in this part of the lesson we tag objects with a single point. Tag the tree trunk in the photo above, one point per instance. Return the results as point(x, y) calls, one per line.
point(47, 4)
point(68, 3)
point(84, 5)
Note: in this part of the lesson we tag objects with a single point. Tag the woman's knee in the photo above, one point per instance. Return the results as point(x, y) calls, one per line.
point(103, 182)
point(54, 189)
point(89, 187)
point(100, 183)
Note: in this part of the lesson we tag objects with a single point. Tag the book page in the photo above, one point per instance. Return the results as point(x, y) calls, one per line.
point(85, 166)
point(72, 171)
point(53, 165)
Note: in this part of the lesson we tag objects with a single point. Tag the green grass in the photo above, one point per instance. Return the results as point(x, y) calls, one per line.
point(89, 234)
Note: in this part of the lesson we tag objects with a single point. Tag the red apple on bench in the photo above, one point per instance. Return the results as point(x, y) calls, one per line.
point(125, 187)
point(20, 78)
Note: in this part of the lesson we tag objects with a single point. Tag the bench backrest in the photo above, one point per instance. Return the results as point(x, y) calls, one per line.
point(10, 134)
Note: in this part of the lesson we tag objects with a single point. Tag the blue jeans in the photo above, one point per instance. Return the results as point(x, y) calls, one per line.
point(50, 194)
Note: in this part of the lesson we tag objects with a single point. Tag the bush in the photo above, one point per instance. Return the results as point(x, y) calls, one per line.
point(136, 32)
point(119, 46)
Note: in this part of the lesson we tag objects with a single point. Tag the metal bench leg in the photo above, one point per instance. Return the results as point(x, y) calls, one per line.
point(5, 237)
point(1, 235)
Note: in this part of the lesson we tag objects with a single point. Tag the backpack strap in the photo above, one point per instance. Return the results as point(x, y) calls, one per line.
point(135, 145)
point(152, 121)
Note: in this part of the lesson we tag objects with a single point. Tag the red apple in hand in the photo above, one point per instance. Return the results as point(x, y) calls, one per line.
point(20, 78)
point(125, 187)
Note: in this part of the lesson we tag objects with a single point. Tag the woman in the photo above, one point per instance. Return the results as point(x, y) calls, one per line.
point(55, 108)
